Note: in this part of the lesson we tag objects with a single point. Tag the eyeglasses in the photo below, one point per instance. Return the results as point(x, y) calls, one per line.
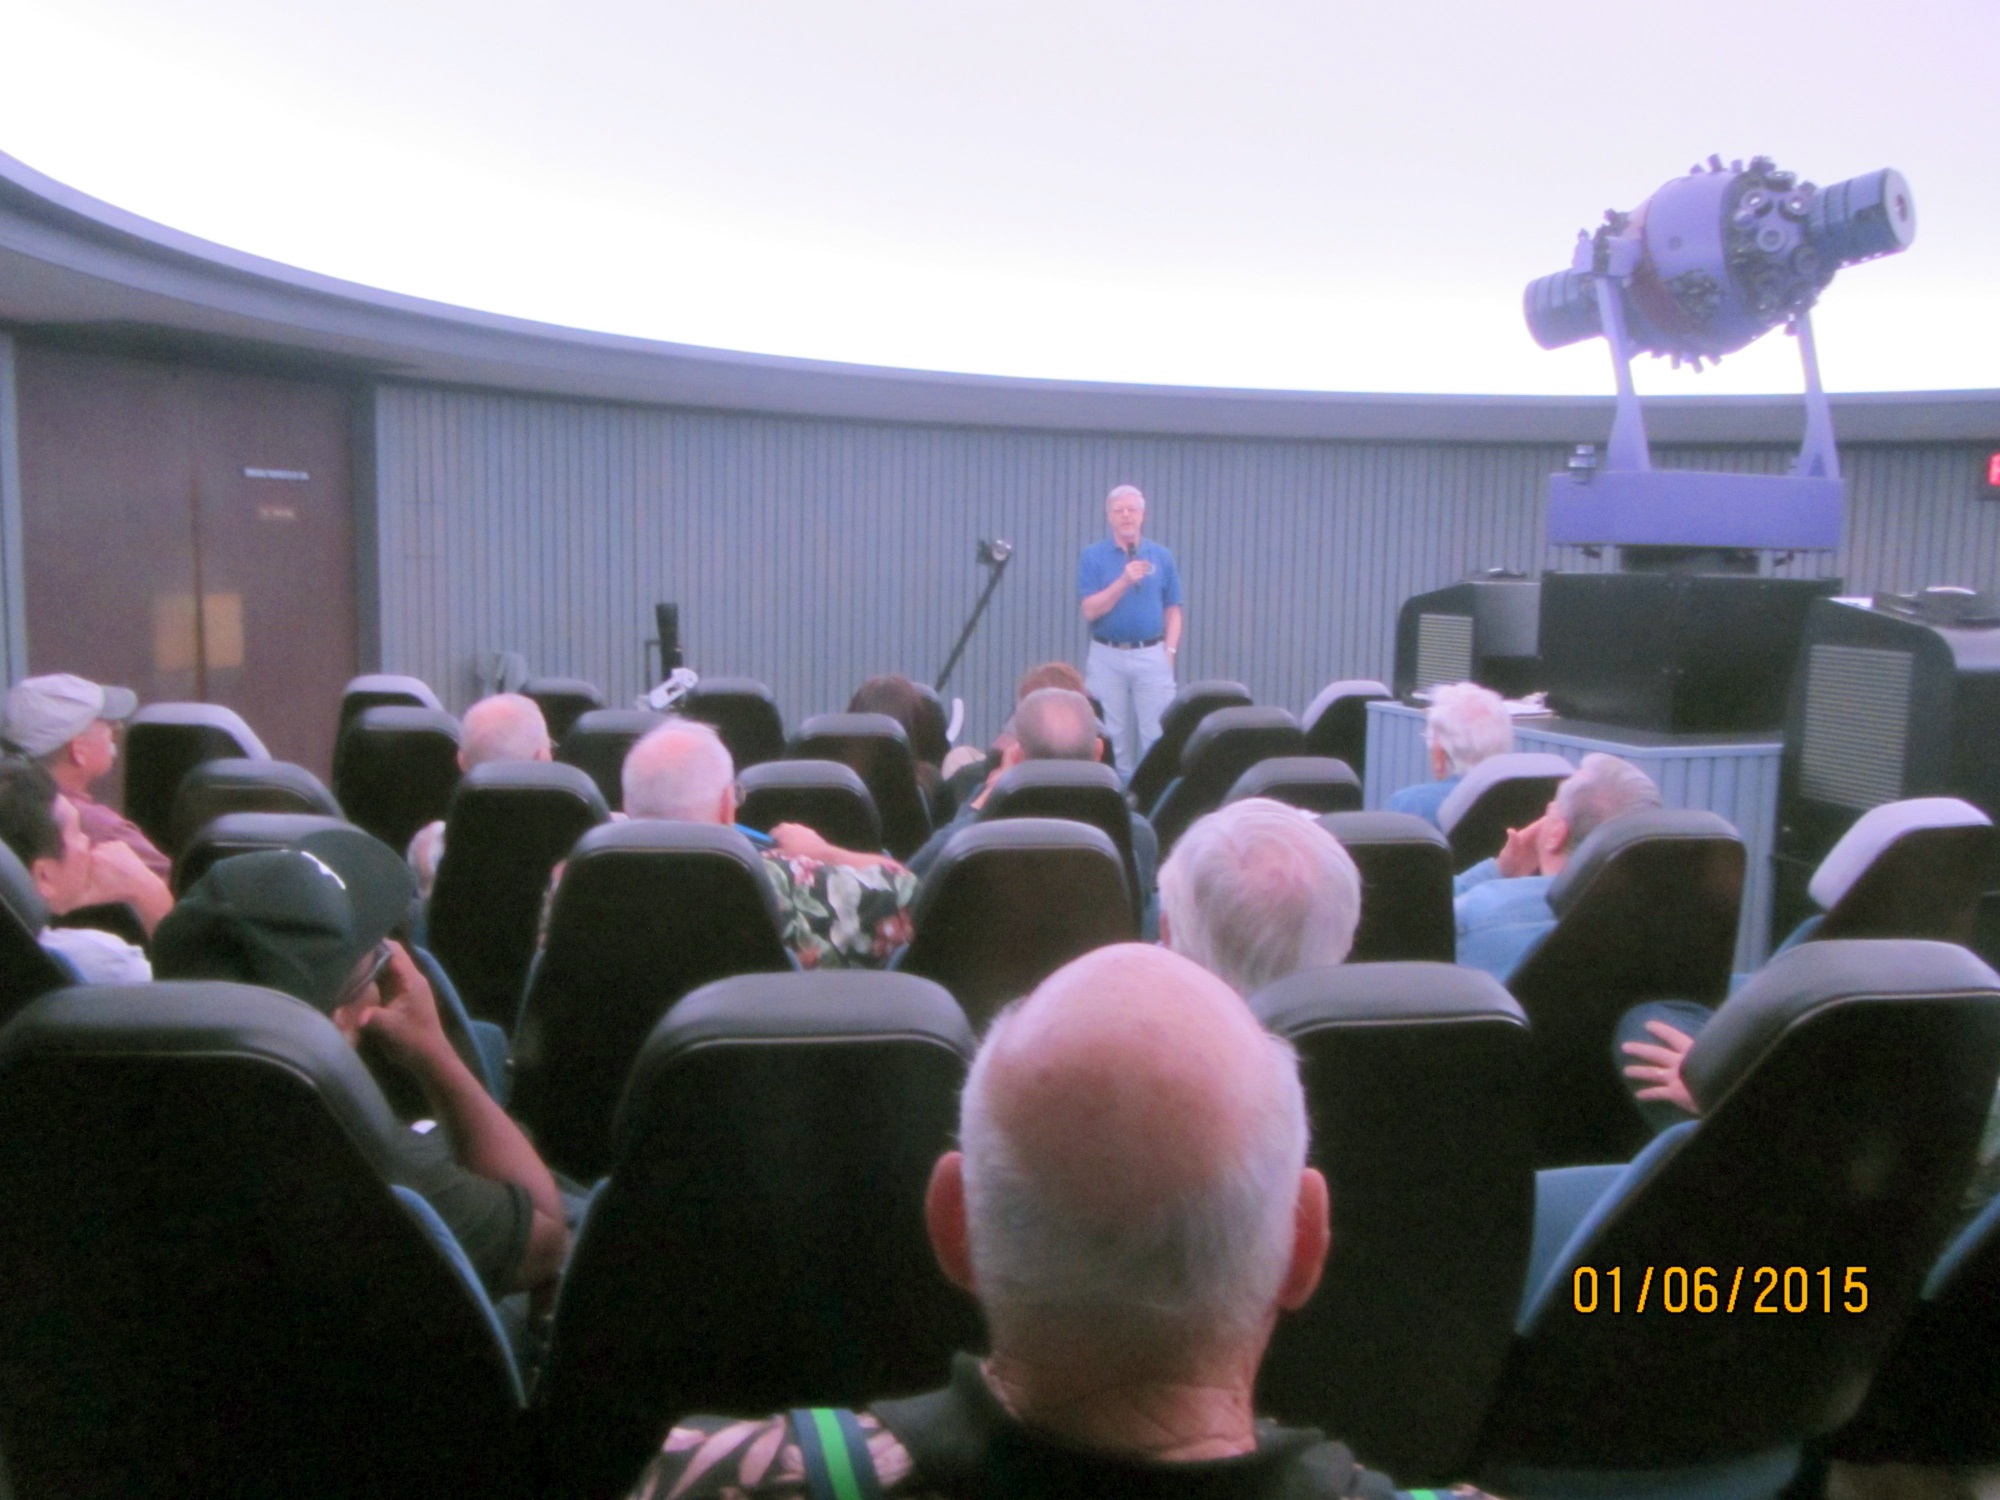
point(366, 974)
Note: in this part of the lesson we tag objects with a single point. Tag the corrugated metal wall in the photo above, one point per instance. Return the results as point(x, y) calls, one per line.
point(813, 554)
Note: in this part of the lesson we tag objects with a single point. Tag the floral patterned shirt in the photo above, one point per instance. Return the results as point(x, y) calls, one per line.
point(839, 916)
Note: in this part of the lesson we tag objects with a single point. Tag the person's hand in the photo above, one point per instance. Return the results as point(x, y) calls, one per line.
point(405, 1019)
point(1136, 571)
point(798, 841)
point(1659, 1066)
point(118, 874)
point(1520, 856)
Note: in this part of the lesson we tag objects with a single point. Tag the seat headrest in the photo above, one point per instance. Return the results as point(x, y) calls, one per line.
point(564, 687)
point(1384, 828)
point(1370, 994)
point(804, 773)
point(666, 836)
point(266, 830)
point(1804, 979)
point(617, 721)
point(1293, 770)
point(1025, 834)
point(212, 716)
point(828, 1005)
point(1039, 774)
point(1244, 719)
point(1521, 764)
point(1612, 838)
point(1333, 692)
point(17, 889)
point(1874, 831)
point(856, 726)
point(731, 687)
point(387, 719)
point(216, 1018)
point(546, 776)
point(384, 683)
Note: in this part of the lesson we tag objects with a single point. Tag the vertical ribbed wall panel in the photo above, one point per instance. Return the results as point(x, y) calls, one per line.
point(814, 553)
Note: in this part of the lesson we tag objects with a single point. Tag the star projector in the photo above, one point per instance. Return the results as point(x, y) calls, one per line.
point(1708, 264)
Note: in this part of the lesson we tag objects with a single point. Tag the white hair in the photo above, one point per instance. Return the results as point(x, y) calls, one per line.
point(1602, 787)
point(506, 726)
point(1055, 724)
point(1126, 489)
point(1257, 890)
point(1469, 724)
point(1201, 1267)
point(680, 770)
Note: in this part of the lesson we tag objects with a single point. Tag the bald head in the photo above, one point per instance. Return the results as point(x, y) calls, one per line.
point(1056, 724)
point(681, 770)
point(1133, 1148)
point(504, 727)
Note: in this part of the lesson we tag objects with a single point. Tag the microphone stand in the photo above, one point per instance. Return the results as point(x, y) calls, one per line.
point(999, 566)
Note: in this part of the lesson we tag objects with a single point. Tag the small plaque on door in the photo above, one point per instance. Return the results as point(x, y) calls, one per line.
point(277, 513)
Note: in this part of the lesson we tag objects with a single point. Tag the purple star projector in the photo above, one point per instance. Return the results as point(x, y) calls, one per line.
point(1708, 264)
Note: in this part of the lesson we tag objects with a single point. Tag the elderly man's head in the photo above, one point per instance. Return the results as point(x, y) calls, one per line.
point(1258, 890)
point(1125, 512)
point(1466, 725)
point(1132, 1195)
point(1601, 788)
point(1056, 724)
point(681, 770)
point(506, 726)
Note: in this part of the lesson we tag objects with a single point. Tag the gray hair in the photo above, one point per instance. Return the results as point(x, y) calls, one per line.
point(1469, 724)
point(1603, 787)
point(1055, 724)
point(1203, 1266)
point(1258, 890)
point(1126, 489)
point(506, 726)
point(679, 770)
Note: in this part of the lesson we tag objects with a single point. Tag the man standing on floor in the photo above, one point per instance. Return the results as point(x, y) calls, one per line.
point(1131, 593)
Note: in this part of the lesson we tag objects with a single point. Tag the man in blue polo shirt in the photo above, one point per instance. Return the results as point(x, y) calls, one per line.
point(1131, 593)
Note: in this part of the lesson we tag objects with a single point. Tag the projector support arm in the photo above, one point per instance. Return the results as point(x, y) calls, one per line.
point(1627, 448)
point(1818, 457)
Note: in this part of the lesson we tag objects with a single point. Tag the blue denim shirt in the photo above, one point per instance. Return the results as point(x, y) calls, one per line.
point(1501, 919)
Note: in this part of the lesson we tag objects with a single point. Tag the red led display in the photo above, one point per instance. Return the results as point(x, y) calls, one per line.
point(1993, 470)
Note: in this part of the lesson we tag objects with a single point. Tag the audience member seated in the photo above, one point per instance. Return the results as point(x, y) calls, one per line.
point(1466, 724)
point(1257, 890)
point(967, 769)
point(313, 922)
point(922, 716)
point(1050, 723)
point(1502, 904)
point(70, 726)
point(838, 908)
point(72, 872)
point(506, 726)
point(1132, 1210)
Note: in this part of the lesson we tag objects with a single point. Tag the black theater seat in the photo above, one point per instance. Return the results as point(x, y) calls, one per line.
point(1009, 903)
point(1336, 721)
point(163, 742)
point(1084, 792)
point(509, 824)
point(1405, 868)
point(1417, 1080)
point(1502, 792)
point(1646, 909)
point(825, 795)
point(598, 743)
point(1913, 869)
point(234, 785)
point(878, 750)
point(1162, 762)
point(760, 1243)
point(211, 1287)
point(1813, 1151)
point(743, 712)
point(1316, 783)
point(647, 911)
point(26, 968)
point(385, 690)
point(1227, 743)
point(394, 770)
point(243, 833)
point(562, 700)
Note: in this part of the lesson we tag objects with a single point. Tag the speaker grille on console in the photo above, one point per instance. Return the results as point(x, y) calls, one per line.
point(1444, 649)
point(1857, 726)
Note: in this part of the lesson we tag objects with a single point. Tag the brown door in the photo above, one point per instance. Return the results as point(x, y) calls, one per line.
point(189, 533)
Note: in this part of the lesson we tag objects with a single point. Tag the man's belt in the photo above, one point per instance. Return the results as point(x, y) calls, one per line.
point(1129, 645)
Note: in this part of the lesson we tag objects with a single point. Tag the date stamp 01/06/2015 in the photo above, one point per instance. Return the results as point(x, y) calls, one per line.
point(1711, 1289)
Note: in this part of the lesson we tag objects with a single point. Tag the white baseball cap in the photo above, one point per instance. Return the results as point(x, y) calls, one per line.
point(46, 713)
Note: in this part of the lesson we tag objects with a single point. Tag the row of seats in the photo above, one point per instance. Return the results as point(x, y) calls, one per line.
point(759, 1241)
